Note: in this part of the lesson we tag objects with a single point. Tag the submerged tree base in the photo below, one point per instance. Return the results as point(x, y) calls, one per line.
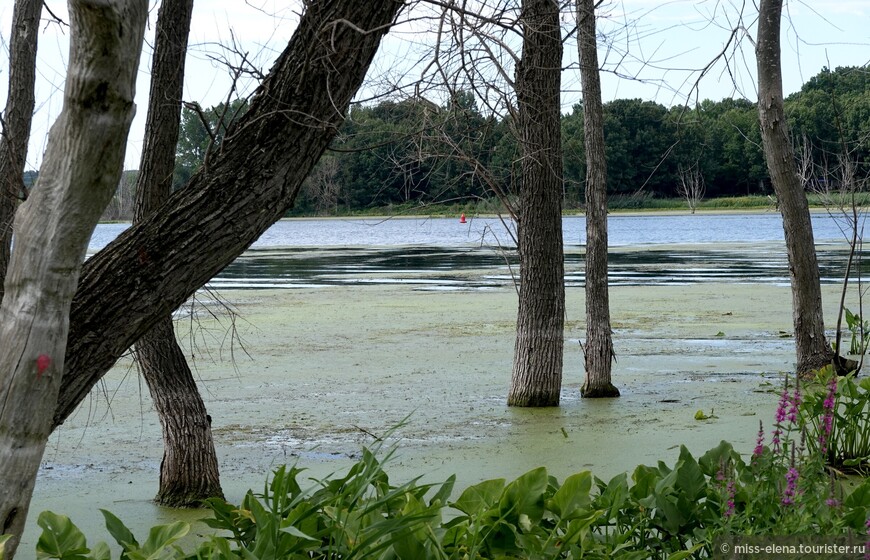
point(186, 498)
point(533, 400)
point(841, 365)
point(606, 391)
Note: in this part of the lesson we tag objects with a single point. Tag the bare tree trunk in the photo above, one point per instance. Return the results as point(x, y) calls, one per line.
point(537, 369)
point(189, 471)
point(599, 343)
point(80, 172)
point(813, 351)
point(155, 265)
point(17, 119)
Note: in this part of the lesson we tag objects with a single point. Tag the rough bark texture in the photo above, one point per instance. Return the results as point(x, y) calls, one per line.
point(599, 343)
point(81, 170)
point(813, 350)
point(537, 369)
point(189, 471)
point(17, 119)
point(155, 265)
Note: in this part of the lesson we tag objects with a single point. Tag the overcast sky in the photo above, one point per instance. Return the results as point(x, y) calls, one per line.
point(649, 49)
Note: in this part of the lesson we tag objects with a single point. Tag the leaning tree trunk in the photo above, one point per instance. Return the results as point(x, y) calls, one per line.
point(189, 471)
point(599, 343)
point(81, 169)
point(537, 369)
point(155, 265)
point(17, 119)
point(813, 351)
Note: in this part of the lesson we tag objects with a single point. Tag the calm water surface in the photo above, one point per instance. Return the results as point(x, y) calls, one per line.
point(441, 253)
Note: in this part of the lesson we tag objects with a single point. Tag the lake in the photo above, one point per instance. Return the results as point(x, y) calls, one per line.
point(375, 321)
point(444, 254)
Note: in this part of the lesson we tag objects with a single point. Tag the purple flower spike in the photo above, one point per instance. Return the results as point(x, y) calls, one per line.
point(828, 417)
point(791, 478)
point(759, 442)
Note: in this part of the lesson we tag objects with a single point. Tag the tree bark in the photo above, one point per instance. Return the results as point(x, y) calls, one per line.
point(17, 119)
point(189, 471)
point(598, 352)
point(537, 368)
point(812, 347)
point(155, 265)
point(81, 170)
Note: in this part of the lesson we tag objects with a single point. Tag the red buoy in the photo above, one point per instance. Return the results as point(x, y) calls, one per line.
point(462, 218)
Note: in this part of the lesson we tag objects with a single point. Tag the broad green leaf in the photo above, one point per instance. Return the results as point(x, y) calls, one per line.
point(444, 491)
point(60, 538)
point(161, 536)
point(573, 494)
point(479, 497)
point(579, 526)
point(614, 495)
point(101, 552)
point(297, 533)
point(711, 461)
point(119, 531)
point(690, 479)
point(673, 517)
point(645, 479)
point(859, 497)
point(525, 495)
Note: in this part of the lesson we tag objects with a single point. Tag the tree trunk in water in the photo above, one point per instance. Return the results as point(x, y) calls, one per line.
point(17, 118)
point(155, 265)
point(813, 350)
point(81, 170)
point(189, 471)
point(598, 352)
point(537, 369)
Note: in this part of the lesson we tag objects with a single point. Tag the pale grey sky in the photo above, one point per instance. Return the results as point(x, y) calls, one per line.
point(650, 49)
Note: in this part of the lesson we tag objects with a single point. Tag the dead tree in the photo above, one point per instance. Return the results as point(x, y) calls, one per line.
point(691, 187)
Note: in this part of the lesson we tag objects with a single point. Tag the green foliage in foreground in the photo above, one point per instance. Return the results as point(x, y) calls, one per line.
point(659, 512)
point(838, 411)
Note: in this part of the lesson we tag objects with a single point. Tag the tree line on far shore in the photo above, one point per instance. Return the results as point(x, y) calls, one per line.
point(416, 152)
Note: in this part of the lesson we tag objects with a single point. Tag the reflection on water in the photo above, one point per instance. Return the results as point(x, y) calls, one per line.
point(623, 231)
point(445, 268)
point(442, 254)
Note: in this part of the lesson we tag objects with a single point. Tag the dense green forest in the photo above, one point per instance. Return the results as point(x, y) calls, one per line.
point(414, 152)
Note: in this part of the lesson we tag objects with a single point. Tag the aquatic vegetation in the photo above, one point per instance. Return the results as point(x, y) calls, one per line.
point(657, 512)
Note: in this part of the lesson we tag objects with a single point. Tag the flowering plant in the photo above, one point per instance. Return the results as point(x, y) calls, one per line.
point(838, 419)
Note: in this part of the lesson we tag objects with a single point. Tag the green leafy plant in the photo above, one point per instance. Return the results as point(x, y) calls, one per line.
point(662, 512)
point(837, 417)
point(860, 331)
point(358, 515)
point(61, 539)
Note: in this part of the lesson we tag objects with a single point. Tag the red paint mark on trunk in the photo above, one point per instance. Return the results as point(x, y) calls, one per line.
point(42, 363)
